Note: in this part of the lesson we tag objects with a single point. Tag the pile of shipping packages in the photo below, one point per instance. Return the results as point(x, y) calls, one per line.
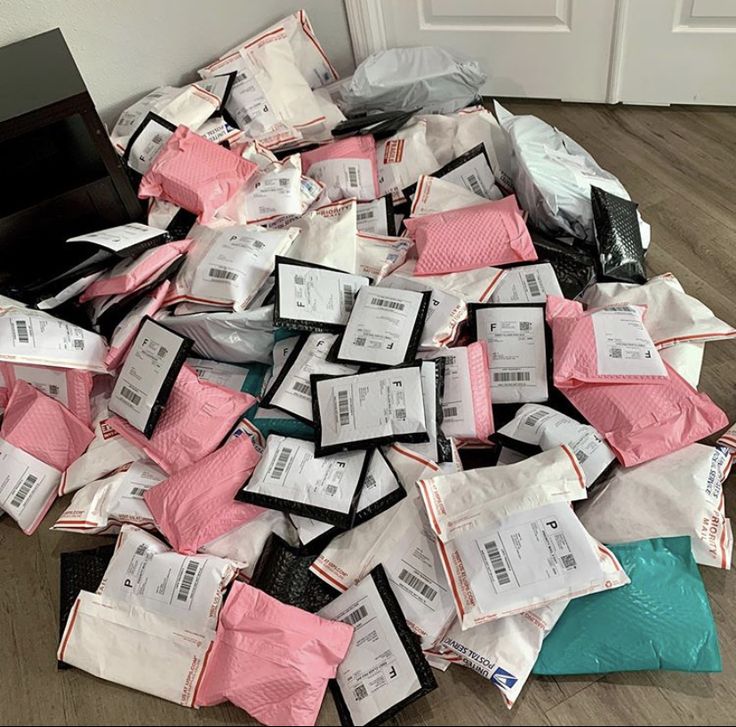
point(379, 388)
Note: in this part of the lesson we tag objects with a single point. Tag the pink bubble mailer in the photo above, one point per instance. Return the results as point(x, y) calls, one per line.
point(640, 421)
point(197, 417)
point(195, 174)
point(195, 506)
point(271, 659)
point(468, 238)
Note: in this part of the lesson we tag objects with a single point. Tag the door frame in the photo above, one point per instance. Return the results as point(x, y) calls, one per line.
point(368, 34)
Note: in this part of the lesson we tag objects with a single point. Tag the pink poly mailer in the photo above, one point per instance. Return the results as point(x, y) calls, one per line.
point(131, 274)
point(195, 506)
point(197, 417)
point(471, 237)
point(480, 382)
point(271, 659)
point(70, 387)
point(195, 174)
point(603, 345)
point(44, 428)
point(126, 331)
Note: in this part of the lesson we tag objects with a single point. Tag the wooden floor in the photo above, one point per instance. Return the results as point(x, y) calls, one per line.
point(680, 165)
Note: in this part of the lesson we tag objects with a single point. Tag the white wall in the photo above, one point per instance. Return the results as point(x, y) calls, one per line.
point(125, 48)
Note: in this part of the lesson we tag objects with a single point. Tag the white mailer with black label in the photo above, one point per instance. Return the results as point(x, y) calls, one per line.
point(384, 669)
point(34, 337)
point(290, 389)
point(187, 589)
point(517, 350)
point(290, 478)
point(28, 486)
point(148, 375)
point(527, 284)
point(385, 327)
point(310, 297)
point(124, 238)
point(224, 374)
point(465, 501)
point(381, 490)
point(546, 428)
point(527, 560)
point(378, 407)
point(147, 141)
point(105, 505)
point(376, 216)
point(227, 265)
point(504, 651)
point(130, 645)
point(445, 313)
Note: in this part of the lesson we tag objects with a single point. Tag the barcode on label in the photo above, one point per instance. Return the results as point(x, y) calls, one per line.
point(360, 692)
point(343, 408)
point(23, 491)
point(418, 585)
point(53, 390)
point(534, 289)
point(504, 376)
point(21, 330)
point(79, 344)
point(365, 215)
point(620, 308)
point(353, 177)
point(580, 456)
point(449, 411)
point(300, 387)
point(130, 395)
point(141, 549)
point(400, 414)
point(157, 138)
point(298, 280)
point(283, 182)
point(331, 490)
point(616, 353)
point(450, 360)
point(499, 569)
point(568, 561)
point(348, 298)
point(138, 491)
point(162, 351)
point(391, 304)
point(525, 326)
point(475, 185)
point(354, 616)
point(533, 418)
point(221, 274)
point(187, 581)
point(360, 342)
point(258, 244)
point(369, 482)
point(281, 462)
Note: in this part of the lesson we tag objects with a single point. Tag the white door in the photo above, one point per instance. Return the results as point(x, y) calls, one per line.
point(556, 49)
point(635, 51)
point(679, 51)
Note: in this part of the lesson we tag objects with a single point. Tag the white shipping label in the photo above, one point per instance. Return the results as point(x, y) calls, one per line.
point(517, 352)
point(458, 416)
point(475, 175)
point(40, 338)
point(237, 263)
point(128, 497)
point(316, 295)
point(51, 381)
point(353, 177)
point(623, 346)
point(274, 193)
point(290, 471)
point(26, 485)
point(294, 392)
point(373, 405)
point(377, 672)
point(531, 558)
point(144, 372)
point(247, 102)
point(373, 216)
point(547, 428)
point(419, 582)
point(224, 374)
point(147, 144)
point(381, 326)
point(120, 238)
point(527, 284)
point(143, 571)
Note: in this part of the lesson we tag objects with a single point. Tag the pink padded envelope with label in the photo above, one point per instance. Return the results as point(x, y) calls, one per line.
point(195, 174)
point(197, 417)
point(640, 421)
point(44, 428)
point(471, 237)
point(195, 506)
point(271, 659)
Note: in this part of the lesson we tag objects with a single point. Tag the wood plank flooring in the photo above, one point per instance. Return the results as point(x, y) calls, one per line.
point(679, 163)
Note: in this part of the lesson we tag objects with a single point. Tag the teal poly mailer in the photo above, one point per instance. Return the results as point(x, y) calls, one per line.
point(661, 620)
